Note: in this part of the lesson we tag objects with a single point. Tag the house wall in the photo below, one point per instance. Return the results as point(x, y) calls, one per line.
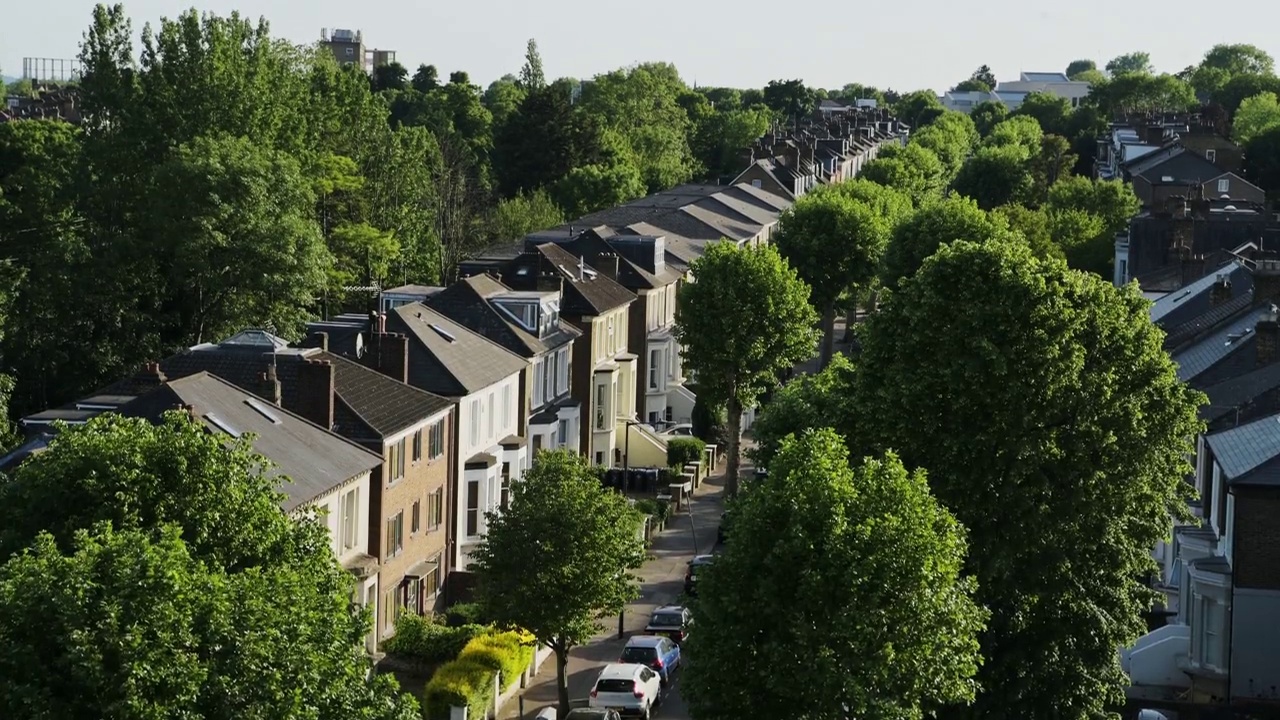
point(1235, 186)
point(330, 508)
point(484, 418)
point(758, 177)
point(1255, 636)
point(1227, 155)
point(1256, 560)
point(424, 485)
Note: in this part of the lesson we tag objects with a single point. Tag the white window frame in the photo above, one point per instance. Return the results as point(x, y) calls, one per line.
point(350, 515)
point(1211, 155)
point(1224, 185)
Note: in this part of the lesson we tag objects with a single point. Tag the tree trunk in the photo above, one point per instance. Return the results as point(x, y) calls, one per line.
point(562, 677)
point(735, 433)
point(828, 335)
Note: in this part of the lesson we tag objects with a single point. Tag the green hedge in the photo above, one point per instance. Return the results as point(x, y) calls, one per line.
point(422, 639)
point(465, 614)
point(683, 450)
point(659, 509)
point(462, 682)
point(507, 653)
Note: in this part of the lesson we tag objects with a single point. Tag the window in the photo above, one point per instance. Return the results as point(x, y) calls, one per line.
point(506, 406)
point(599, 458)
point(601, 397)
point(431, 583)
point(617, 399)
point(564, 432)
point(475, 421)
point(416, 523)
point(395, 468)
point(395, 535)
point(411, 595)
point(1224, 185)
point(755, 183)
point(562, 371)
point(1211, 155)
point(493, 411)
point(417, 446)
point(505, 496)
point(351, 51)
point(350, 518)
point(473, 508)
point(538, 390)
point(537, 444)
point(548, 378)
point(435, 509)
point(435, 443)
point(653, 418)
point(655, 362)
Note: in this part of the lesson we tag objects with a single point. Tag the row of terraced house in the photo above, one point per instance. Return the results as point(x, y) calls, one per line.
point(405, 427)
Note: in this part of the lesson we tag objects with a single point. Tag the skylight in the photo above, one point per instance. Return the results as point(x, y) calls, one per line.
point(262, 410)
point(443, 333)
point(222, 425)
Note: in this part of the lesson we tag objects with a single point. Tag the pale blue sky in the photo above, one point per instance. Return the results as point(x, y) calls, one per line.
point(892, 43)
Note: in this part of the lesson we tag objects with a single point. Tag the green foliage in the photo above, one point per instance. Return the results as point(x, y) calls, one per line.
point(1143, 92)
point(810, 542)
point(987, 114)
point(641, 103)
point(1077, 67)
point(590, 188)
point(1235, 90)
point(912, 107)
point(745, 320)
point(462, 614)
point(934, 225)
point(148, 571)
point(1223, 62)
point(682, 450)
point(1136, 63)
point(1051, 113)
point(428, 641)
point(1255, 116)
point(996, 175)
point(952, 137)
point(659, 510)
point(808, 402)
point(460, 683)
point(1064, 411)
point(1018, 131)
point(1033, 226)
point(913, 169)
point(581, 539)
point(515, 217)
point(506, 653)
point(790, 99)
point(1262, 160)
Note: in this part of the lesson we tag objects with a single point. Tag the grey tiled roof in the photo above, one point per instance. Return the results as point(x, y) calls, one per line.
point(1182, 305)
point(1242, 450)
point(468, 301)
point(1190, 331)
point(459, 364)
point(315, 459)
point(1228, 338)
point(1228, 395)
point(595, 294)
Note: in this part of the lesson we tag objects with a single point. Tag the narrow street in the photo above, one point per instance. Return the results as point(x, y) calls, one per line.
point(661, 582)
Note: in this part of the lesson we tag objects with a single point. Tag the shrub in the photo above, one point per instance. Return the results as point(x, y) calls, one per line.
point(459, 683)
point(683, 450)
point(659, 509)
point(465, 614)
point(506, 653)
point(428, 641)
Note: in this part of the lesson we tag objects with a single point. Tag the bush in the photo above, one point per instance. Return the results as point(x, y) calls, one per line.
point(683, 450)
point(659, 509)
point(428, 641)
point(465, 614)
point(459, 683)
point(506, 653)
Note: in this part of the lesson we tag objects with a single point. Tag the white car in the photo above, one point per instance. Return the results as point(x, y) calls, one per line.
point(681, 430)
point(630, 689)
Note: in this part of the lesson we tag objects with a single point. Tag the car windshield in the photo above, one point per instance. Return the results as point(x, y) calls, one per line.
point(642, 655)
point(615, 685)
point(667, 620)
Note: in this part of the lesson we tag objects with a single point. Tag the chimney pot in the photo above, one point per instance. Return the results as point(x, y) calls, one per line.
point(316, 392)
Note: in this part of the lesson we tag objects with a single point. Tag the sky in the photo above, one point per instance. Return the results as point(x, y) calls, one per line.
point(903, 45)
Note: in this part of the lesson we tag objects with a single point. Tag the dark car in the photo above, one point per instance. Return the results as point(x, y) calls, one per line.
point(671, 621)
point(592, 714)
point(659, 653)
point(691, 573)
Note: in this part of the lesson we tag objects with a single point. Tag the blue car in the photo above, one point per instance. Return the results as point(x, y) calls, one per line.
point(657, 653)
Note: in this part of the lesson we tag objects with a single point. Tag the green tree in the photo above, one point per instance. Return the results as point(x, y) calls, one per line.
point(642, 105)
point(502, 99)
point(1225, 61)
point(531, 75)
point(912, 107)
point(808, 401)
point(982, 79)
point(513, 218)
point(870, 537)
point(1076, 67)
point(790, 99)
point(1053, 113)
point(913, 169)
point(746, 319)
point(1052, 161)
point(426, 78)
point(1141, 92)
point(987, 114)
point(1255, 116)
point(932, 226)
point(1033, 226)
point(1018, 131)
point(1061, 409)
point(1131, 63)
point(995, 175)
point(952, 136)
point(834, 242)
point(853, 92)
point(590, 188)
point(392, 76)
point(545, 139)
point(1262, 160)
point(148, 571)
point(580, 536)
point(363, 255)
point(1235, 90)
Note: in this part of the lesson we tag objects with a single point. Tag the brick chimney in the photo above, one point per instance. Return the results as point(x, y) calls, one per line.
point(315, 392)
point(551, 281)
point(1266, 278)
point(1221, 291)
point(1192, 268)
point(1268, 332)
point(388, 353)
point(150, 375)
point(270, 385)
point(317, 340)
point(607, 264)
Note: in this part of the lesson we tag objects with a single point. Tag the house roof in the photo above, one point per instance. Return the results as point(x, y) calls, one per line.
point(1183, 305)
point(1045, 77)
point(459, 361)
point(315, 459)
point(1226, 339)
point(1248, 450)
point(1174, 165)
point(469, 302)
point(1228, 395)
point(588, 294)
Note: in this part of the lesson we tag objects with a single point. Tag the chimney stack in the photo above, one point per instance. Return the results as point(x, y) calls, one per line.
point(1268, 332)
point(607, 264)
point(271, 385)
point(389, 355)
point(551, 281)
point(317, 340)
point(316, 391)
point(150, 375)
point(1221, 291)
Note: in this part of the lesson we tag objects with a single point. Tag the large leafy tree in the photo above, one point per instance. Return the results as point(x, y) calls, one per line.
point(996, 175)
point(1262, 160)
point(148, 571)
point(808, 401)
point(846, 585)
point(1076, 67)
point(913, 169)
point(1255, 116)
point(834, 242)
point(642, 105)
point(559, 557)
point(930, 227)
point(987, 114)
point(745, 319)
point(1053, 425)
point(1131, 63)
point(790, 99)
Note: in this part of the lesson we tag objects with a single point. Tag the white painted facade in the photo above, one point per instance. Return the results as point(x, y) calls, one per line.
point(613, 385)
point(345, 512)
point(485, 419)
point(666, 400)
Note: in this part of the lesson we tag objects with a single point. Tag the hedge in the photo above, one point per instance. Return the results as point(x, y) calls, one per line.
point(659, 509)
point(465, 614)
point(460, 683)
point(507, 653)
point(683, 450)
point(422, 639)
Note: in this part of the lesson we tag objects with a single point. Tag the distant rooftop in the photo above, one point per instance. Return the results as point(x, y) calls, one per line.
point(1044, 77)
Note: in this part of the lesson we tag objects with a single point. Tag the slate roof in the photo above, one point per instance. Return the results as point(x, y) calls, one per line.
point(454, 363)
point(587, 295)
point(1238, 391)
point(1183, 305)
point(469, 302)
point(1243, 451)
point(1226, 339)
point(1189, 331)
point(315, 459)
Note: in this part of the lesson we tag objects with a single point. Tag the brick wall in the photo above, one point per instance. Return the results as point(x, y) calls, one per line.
point(1257, 538)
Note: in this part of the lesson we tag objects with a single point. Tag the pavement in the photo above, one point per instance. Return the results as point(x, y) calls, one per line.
point(661, 583)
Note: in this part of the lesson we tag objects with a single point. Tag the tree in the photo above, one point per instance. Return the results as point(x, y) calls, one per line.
point(807, 402)
point(1052, 161)
point(513, 218)
point(1255, 116)
point(426, 78)
point(148, 571)
point(1226, 61)
point(1262, 160)
point(834, 242)
point(835, 537)
point(392, 76)
point(982, 79)
point(932, 226)
point(1062, 410)
point(580, 536)
point(1076, 67)
point(995, 175)
point(913, 169)
point(1131, 63)
point(987, 114)
point(642, 105)
point(1032, 225)
point(911, 108)
point(1053, 113)
point(951, 136)
point(545, 139)
point(1235, 90)
point(1018, 131)
point(789, 98)
point(363, 255)
point(502, 99)
point(1112, 202)
point(591, 188)
point(531, 75)
point(746, 319)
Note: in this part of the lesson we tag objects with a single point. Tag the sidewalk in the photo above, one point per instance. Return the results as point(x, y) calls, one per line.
point(661, 582)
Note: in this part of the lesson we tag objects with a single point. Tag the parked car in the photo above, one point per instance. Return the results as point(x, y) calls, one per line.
point(661, 654)
point(681, 430)
point(630, 689)
point(671, 621)
point(691, 573)
point(591, 714)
